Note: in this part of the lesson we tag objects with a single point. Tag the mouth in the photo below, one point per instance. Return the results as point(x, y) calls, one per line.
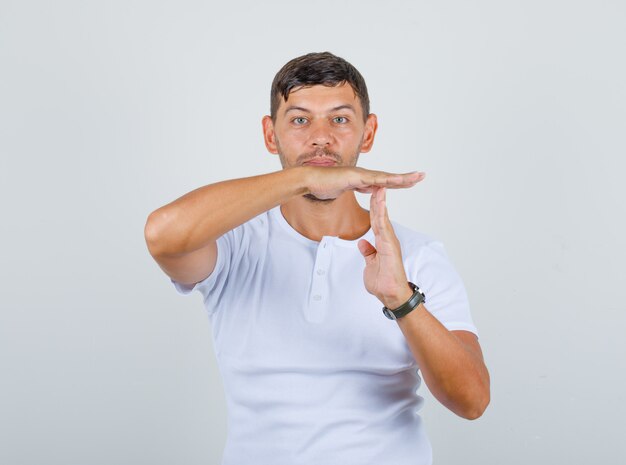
point(320, 162)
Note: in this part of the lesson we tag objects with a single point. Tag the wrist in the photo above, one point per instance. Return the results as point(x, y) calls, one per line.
point(414, 301)
point(299, 179)
point(398, 298)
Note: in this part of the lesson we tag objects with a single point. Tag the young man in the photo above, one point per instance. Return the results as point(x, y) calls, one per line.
point(294, 275)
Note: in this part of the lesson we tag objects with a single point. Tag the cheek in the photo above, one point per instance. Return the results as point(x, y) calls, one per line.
point(286, 148)
point(293, 143)
point(295, 137)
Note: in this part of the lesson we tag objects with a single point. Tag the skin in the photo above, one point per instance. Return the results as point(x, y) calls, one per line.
point(323, 122)
point(318, 134)
point(451, 362)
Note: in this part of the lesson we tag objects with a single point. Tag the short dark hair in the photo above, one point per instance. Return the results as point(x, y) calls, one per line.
point(313, 69)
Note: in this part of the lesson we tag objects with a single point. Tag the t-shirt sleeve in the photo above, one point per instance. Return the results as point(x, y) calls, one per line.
point(446, 297)
point(213, 285)
point(238, 254)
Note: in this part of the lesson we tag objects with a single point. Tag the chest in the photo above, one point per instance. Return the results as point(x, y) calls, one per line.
point(306, 308)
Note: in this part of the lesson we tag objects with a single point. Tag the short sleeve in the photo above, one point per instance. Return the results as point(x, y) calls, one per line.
point(446, 297)
point(237, 257)
point(214, 283)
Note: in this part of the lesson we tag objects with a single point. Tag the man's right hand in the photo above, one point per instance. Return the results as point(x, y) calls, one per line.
point(181, 235)
point(330, 182)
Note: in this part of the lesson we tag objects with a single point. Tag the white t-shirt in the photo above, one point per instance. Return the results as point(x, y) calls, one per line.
point(313, 372)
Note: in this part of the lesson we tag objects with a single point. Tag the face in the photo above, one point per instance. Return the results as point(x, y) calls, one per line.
point(320, 126)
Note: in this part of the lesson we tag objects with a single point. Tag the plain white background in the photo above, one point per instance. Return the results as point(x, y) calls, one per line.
point(516, 111)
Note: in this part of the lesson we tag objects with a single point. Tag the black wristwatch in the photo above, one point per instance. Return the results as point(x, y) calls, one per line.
point(417, 298)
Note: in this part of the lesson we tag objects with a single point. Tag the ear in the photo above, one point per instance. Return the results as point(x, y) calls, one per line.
point(371, 125)
point(269, 135)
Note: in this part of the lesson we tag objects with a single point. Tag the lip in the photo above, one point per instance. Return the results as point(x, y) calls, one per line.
point(320, 162)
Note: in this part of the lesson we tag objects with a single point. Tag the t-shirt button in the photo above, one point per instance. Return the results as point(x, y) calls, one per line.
point(320, 272)
point(317, 297)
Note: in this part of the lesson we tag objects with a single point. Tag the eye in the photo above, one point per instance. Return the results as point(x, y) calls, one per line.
point(340, 120)
point(300, 120)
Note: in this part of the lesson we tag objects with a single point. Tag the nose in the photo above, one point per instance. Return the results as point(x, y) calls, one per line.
point(321, 134)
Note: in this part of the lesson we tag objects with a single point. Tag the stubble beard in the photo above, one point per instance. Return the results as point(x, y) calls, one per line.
point(307, 156)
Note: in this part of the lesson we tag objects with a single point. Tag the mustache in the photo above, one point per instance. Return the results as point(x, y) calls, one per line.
point(318, 153)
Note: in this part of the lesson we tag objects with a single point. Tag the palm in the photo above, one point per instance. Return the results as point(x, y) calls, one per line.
point(384, 274)
point(377, 275)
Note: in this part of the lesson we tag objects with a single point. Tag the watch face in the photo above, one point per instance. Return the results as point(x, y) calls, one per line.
point(388, 313)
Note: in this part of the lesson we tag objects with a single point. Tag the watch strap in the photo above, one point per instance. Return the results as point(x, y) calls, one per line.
point(417, 298)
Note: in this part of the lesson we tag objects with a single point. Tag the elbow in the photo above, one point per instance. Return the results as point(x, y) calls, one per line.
point(476, 410)
point(150, 233)
point(477, 406)
point(480, 397)
point(153, 232)
point(469, 405)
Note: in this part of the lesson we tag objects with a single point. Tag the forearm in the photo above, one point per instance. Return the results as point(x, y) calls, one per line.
point(201, 216)
point(204, 214)
point(454, 372)
point(451, 364)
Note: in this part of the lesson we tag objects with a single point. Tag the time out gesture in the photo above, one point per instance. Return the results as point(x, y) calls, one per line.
point(451, 362)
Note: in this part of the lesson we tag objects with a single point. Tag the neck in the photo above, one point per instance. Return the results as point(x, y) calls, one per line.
point(342, 217)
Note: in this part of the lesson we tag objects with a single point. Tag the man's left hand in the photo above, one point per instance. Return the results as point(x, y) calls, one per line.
point(384, 275)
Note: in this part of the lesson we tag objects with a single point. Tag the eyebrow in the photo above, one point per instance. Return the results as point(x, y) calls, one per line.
point(295, 108)
point(305, 110)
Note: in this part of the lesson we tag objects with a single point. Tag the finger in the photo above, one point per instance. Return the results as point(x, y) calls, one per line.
point(409, 179)
point(396, 181)
point(384, 226)
point(377, 212)
point(373, 210)
point(387, 223)
point(367, 250)
point(381, 212)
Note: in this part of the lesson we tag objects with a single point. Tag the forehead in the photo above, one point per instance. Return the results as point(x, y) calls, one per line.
point(321, 98)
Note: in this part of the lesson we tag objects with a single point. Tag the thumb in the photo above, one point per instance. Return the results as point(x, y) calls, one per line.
point(367, 250)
